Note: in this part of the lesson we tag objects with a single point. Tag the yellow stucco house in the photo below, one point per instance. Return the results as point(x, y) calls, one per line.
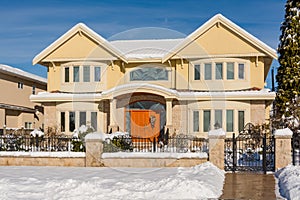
point(215, 75)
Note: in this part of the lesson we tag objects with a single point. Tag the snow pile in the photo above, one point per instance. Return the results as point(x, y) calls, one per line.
point(288, 179)
point(37, 133)
point(199, 182)
point(105, 137)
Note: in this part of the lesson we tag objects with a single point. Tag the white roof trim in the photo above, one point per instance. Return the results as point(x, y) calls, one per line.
point(71, 32)
point(263, 94)
point(20, 73)
point(220, 18)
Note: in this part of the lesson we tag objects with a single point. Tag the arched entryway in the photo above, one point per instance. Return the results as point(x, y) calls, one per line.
point(145, 119)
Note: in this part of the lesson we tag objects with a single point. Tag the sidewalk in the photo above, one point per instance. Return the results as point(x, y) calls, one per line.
point(249, 186)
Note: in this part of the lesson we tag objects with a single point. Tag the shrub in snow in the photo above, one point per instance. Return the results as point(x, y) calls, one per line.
point(37, 133)
point(78, 137)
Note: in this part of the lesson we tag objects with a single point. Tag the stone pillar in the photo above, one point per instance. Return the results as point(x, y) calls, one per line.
point(169, 115)
point(94, 150)
point(283, 148)
point(112, 109)
point(216, 147)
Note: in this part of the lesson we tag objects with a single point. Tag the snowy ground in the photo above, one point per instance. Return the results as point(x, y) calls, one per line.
point(288, 179)
point(199, 182)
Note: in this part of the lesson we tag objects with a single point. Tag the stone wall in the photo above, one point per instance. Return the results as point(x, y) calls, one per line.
point(152, 162)
point(41, 161)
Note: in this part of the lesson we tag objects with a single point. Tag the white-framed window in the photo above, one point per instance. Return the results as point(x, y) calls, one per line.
point(76, 74)
point(218, 118)
point(33, 89)
point(71, 121)
point(219, 71)
point(207, 71)
point(67, 74)
point(230, 70)
point(229, 120)
point(206, 120)
point(195, 121)
point(28, 125)
point(94, 123)
point(149, 74)
point(86, 73)
point(197, 72)
point(241, 70)
point(241, 120)
point(82, 118)
point(20, 85)
point(97, 74)
point(62, 121)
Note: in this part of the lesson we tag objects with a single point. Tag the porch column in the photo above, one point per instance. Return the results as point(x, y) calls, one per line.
point(283, 148)
point(216, 147)
point(169, 115)
point(112, 110)
point(67, 122)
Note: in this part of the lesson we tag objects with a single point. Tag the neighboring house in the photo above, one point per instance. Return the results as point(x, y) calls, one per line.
point(214, 76)
point(16, 109)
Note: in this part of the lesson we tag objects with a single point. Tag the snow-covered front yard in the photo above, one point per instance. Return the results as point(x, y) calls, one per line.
point(202, 181)
point(288, 179)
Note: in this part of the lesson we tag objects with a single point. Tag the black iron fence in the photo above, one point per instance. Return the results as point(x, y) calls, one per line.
point(45, 143)
point(296, 149)
point(177, 144)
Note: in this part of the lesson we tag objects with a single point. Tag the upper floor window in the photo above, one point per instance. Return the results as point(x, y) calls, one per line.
point(76, 74)
point(196, 72)
point(67, 74)
point(86, 73)
point(149, 74)
point(97, 74)
point(20, 85)
point(230, 71)
point(33, 89)
point(207, 71)
point(241, 71)
point(219, 71)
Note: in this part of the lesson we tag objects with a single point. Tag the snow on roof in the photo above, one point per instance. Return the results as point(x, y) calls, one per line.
point(264, 94)
point(20, 73)
point(140, 49)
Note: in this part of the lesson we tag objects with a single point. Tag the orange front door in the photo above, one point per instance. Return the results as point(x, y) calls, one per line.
point(145, 123)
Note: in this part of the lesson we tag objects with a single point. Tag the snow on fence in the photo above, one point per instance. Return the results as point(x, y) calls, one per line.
point(26, 143)
point(173, 144)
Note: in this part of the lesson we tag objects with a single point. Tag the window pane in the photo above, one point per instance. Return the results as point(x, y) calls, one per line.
point(94, 120)
point(62, 121)
point(67, 74)
point(196, 121)
point(229, 120)
point(76, 74)
point(230, 71)
point(33, 89)
point(149, 74)
point(207, 69)
point(197, 72)
point(218, 118)
point(71, 121)
point(241, 120)
point(219, 71)
point(206, 120)
point(97, 74)
point(86, 73)
point(82, 118)
point(241, 71)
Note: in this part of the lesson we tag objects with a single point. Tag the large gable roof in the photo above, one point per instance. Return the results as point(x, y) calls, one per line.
point(158, 49)
point(231, 26)
point(81, 28)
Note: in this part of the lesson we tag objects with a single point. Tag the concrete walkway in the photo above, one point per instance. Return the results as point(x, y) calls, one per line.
point(249, 186)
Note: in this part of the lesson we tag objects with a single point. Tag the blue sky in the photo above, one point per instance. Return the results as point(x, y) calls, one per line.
point(27, 27)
